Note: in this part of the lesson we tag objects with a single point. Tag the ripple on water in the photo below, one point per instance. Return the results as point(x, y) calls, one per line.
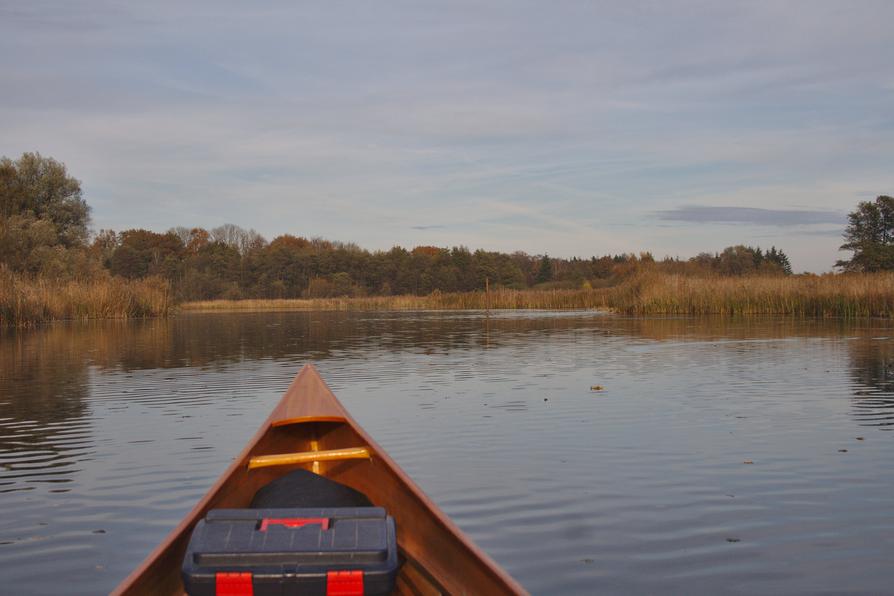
point(109, 434)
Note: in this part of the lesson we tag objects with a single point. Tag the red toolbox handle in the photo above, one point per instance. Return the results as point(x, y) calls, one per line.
point(294, 522)
point(344, 583)
point(233, 584)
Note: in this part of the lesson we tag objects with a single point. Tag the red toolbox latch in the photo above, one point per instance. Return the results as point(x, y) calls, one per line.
point(233, 584)
point(294, 522)
point(344, 583)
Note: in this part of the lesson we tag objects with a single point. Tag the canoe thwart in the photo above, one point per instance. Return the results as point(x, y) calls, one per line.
point(307, 419)
point(301, 457)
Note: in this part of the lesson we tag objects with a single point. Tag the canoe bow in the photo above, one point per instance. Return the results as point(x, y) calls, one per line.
point(439, 558)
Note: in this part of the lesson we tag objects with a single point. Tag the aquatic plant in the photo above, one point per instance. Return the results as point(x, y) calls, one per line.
point(830, 295)
point(27, 301)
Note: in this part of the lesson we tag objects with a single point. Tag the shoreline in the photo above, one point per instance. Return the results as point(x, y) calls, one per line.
point(864, 295)
point(495, 300)
point(808, 296)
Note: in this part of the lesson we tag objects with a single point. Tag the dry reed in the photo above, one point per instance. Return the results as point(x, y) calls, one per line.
point(496, 299)
point(830, 295)
point(25, 301)
point(845, 295)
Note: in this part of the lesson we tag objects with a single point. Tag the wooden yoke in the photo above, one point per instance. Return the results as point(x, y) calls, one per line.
point(282, 459)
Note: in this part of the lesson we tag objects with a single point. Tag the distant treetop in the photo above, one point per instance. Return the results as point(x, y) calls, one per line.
point(870, 236)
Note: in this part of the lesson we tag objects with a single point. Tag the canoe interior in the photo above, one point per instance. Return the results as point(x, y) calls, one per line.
point(438, 558)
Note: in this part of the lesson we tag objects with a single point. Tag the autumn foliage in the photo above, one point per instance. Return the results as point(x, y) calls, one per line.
point(47, 252)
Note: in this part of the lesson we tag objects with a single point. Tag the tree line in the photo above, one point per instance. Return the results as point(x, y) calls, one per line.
point(231, 262)
point(44, 231)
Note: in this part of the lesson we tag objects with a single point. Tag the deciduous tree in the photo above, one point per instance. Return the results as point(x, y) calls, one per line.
point(870, 236)
point(40, 187)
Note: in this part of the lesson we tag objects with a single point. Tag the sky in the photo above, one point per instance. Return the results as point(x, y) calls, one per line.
point(560, 128)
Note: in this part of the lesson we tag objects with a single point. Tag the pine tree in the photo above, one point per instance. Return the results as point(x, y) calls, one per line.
point(779, 258)
point(545, 273)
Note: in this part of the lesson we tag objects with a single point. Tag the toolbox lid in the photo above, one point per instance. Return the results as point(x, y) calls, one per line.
point(333, 538)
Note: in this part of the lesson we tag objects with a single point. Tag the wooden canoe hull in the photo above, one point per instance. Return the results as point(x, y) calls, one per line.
point(439, 559)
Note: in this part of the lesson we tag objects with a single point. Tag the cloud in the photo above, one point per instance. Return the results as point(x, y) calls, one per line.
point(571, 129)
point(831, 233)
point(750, 215)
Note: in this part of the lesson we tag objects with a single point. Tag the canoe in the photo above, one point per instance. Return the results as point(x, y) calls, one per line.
point(310, 429)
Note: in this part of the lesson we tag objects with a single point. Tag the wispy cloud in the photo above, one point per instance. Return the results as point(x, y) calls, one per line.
point(750, 215)
point(574, 128)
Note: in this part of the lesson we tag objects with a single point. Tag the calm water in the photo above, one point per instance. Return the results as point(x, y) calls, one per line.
point(110, 432)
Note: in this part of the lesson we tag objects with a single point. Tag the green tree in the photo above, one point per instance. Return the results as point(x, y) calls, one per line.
point(736, 260)
point(142, 252)
point(780, 259)
point(43, 219)
point(104, 244)
point(25, 242)
point(870, 236)
point(545, 272)
point(40, 188)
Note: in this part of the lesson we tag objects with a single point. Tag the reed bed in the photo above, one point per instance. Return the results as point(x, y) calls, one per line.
point(25, 301)
point(496, 299)
point(843, 295)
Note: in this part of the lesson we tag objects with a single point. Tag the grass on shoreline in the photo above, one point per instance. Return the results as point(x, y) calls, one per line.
point(844, 295)
point(830, 295)
point(496, 299)
point(25, 302)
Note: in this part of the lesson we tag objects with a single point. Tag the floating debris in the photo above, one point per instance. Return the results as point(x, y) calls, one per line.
point(748, 461)
point(99, 531)
point(597, 388)
point(586, 561)
point(860, 439)
point(842, 451)
point(734, 540)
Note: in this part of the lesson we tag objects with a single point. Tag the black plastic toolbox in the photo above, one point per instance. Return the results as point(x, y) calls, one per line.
point(266, 552)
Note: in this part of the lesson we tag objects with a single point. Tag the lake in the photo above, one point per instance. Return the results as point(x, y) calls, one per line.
point(111, 431)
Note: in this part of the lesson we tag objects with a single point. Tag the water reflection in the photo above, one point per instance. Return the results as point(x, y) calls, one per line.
point(872, 368)
point(45, 373)
point(42, 409)
point(207, 340)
